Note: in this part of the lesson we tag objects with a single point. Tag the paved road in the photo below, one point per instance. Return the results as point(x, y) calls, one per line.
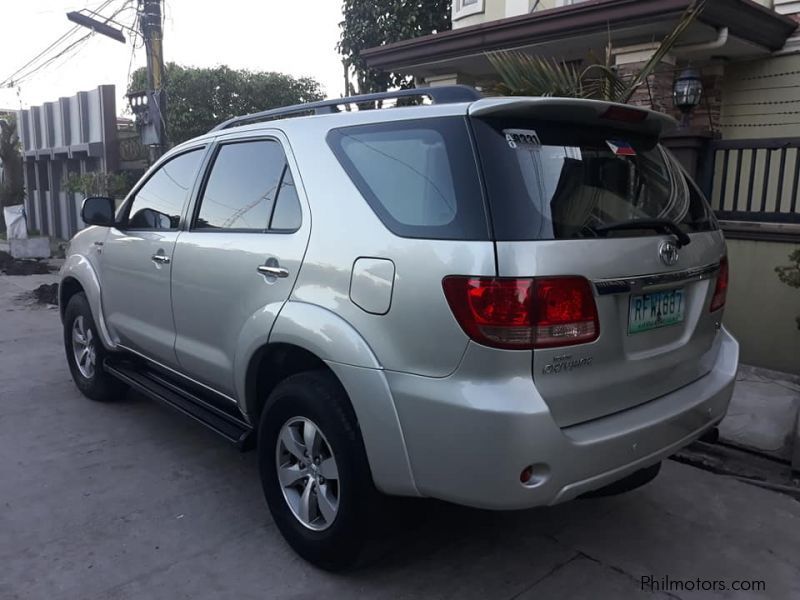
point(132, 501)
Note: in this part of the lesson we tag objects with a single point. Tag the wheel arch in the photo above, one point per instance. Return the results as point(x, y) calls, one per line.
point(306, 332)
point(269, 365)
point(306, 337)
point(78, 275)
point(67, 288)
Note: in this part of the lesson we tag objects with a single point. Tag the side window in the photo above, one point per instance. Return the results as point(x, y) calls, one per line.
point(287, 215)
point(243, 186)
point(159, 202)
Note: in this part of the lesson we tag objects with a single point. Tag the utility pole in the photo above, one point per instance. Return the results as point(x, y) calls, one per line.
point(150, 105)
point(154, 116)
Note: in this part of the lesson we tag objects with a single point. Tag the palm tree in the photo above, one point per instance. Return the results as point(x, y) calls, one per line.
point(12, 187)
point(525, 75)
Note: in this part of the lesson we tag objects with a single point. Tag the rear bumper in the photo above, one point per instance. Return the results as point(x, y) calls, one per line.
point(469, 438)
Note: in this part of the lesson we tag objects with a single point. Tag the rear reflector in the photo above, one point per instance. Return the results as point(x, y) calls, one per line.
point(524, 313)
point(721, 288)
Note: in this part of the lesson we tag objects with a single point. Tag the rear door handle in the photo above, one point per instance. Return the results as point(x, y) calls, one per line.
point(161, 258)
point(273, 271)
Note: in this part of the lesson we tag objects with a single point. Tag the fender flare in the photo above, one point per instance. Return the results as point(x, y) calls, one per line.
point(78, 267)
point(307, 326)
point(334, 341)
point(253, 336)
point(324, 333)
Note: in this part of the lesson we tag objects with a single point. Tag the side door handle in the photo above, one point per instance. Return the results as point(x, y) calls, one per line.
point(273, 271)
point(161, 258)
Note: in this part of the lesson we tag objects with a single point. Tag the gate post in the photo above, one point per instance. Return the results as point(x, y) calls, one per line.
point(695, 151)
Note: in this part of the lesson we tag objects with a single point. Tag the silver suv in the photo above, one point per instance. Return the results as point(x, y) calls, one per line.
point(497, 302)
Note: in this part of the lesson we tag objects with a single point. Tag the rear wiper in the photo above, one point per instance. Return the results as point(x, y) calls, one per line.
point(659, 225)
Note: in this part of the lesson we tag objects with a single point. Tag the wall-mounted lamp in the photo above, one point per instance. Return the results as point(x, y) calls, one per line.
point(687, 92)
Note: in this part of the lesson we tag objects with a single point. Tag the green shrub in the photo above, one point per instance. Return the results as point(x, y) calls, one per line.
point(97, 183)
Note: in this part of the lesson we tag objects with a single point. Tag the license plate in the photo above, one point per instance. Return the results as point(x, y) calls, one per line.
point(656, 309)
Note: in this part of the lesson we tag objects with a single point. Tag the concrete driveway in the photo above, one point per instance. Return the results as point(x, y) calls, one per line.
point(130, 500)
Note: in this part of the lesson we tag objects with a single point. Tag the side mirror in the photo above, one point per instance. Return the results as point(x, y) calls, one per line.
point(98, 210)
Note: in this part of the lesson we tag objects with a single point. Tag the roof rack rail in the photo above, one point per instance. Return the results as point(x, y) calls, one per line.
point(445, 94)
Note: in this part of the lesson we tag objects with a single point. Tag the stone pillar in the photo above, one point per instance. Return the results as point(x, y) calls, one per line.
point(690, 147)
point(656, 92)
point(707, 115)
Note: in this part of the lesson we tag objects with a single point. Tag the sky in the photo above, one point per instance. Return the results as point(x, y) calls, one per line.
point(297, 37)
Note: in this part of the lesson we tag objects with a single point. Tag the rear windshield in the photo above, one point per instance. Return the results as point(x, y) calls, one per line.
point(558, 181)
point(419, 176)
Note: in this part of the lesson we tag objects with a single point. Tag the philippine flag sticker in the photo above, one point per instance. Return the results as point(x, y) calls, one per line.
point(621, 148)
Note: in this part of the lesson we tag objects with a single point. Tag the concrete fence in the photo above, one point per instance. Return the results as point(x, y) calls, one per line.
point(77, 134)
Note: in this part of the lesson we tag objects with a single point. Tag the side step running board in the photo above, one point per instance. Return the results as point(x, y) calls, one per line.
point(155, 386)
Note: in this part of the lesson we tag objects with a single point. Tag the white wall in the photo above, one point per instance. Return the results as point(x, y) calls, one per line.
point(761, 98)
point(761, 310)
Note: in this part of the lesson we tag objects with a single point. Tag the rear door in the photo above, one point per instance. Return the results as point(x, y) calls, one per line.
point(563, 196)
point(238, 261)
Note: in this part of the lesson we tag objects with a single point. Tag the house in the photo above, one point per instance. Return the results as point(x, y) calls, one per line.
point(742, 142)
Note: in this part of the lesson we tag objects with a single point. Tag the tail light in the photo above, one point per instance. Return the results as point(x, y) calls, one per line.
point(624, 114)
point(524, 313)
point(721, 289)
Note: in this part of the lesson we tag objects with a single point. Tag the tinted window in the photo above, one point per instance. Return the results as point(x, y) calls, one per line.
point(242, 187)
point(159, 202)
point(420, 177)
point(287, 215)
point(554, 181)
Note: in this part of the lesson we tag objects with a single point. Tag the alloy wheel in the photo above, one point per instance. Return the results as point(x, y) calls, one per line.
point(83, 347)
point(307, 473)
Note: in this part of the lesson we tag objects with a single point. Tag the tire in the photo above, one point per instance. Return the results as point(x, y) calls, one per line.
point(94, 382)
point(316, 397)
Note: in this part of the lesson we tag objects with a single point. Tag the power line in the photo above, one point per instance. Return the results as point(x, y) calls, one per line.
point(135, 28)
point(10, 78)
point(35, 69)
point(72, 46)
point(64, 36)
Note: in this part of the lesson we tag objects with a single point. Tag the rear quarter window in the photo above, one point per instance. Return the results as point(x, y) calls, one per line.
point(420, 177)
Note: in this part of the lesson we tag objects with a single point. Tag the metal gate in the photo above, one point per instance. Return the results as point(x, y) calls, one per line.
point(755, 180)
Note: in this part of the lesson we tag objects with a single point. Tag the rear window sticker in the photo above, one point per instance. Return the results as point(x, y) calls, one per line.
point(522, 137)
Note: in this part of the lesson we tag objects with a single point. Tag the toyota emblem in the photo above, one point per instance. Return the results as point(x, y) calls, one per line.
point(668, 251)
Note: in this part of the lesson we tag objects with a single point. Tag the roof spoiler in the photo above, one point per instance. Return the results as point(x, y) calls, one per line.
point(576, 111)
